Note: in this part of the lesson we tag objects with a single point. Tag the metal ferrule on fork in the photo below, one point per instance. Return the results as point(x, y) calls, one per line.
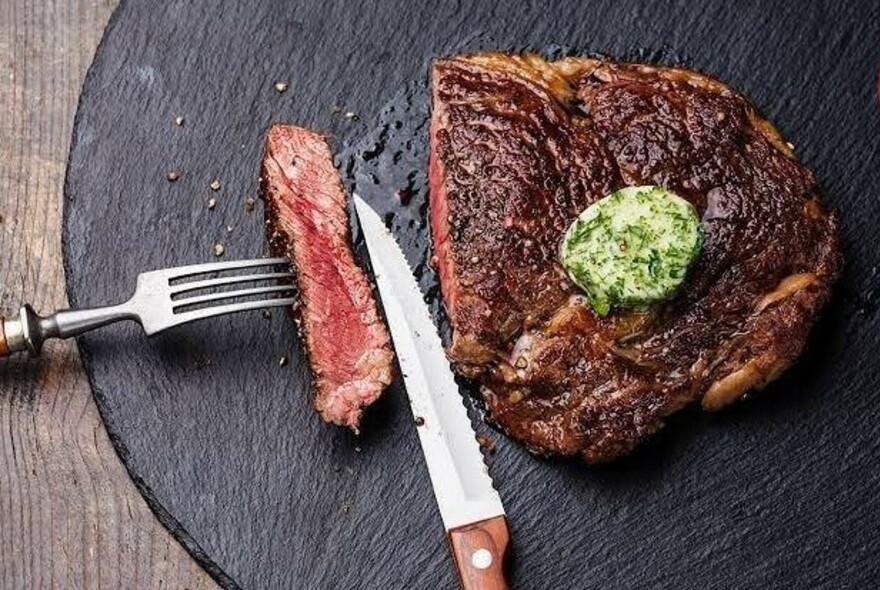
point(28, 331)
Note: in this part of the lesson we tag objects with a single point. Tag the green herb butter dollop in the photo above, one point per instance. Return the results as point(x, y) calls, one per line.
point(632, 248)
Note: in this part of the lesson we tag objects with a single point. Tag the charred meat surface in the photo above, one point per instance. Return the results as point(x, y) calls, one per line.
point(519, 147)
point(348, 346)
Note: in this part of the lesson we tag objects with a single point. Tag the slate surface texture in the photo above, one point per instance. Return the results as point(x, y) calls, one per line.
point(779, 492)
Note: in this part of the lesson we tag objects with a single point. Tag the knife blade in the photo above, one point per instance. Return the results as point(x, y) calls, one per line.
point(470, 507)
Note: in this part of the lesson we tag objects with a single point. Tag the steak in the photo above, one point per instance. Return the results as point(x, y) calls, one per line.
point(348, 346)
point(519, 147)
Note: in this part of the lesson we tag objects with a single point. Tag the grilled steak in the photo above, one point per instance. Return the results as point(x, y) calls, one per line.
point(348, 346)
point(520, 147)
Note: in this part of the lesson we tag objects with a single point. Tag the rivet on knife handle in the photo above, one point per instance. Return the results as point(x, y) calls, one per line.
point(480, 550)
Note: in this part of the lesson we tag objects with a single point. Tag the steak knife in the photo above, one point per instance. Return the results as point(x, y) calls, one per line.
point(470, 507)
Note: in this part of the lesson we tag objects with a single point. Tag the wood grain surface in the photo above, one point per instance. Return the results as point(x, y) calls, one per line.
point(70, 517)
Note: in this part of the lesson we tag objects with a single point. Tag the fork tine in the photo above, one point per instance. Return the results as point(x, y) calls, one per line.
point(227, 280)
point(230, 295)
point(208, 312)
point(181, 272)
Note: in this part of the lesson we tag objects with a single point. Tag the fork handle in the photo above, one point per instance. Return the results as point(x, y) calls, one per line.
point(28, 331)
point(4, 348)
point(15, 332)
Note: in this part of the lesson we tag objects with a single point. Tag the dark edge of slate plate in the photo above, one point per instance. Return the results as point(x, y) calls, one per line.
point(165, 518)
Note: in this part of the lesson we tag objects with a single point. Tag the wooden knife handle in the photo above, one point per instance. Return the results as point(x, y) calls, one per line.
point(480, 550)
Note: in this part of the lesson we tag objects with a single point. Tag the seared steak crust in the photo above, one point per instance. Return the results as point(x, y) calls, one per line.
point(520, 146)
point(307, 219)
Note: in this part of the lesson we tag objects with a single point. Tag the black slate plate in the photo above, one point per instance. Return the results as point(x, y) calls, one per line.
point(779, 492)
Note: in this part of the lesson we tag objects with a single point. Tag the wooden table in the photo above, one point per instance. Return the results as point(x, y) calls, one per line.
point(69, 515)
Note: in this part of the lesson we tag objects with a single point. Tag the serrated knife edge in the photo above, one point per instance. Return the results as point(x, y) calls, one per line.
point(459, 475)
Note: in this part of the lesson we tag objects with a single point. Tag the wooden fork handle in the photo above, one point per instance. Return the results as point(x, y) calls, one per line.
point(480, 550)
point(4, 348)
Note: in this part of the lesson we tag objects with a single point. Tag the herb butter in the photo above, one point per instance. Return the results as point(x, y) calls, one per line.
point(632, 248)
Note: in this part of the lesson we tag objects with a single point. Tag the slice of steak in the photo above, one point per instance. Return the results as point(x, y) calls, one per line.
point(519, 147)
point(307, 220)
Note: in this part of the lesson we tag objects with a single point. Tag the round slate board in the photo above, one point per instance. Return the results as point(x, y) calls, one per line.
point(778, 492)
